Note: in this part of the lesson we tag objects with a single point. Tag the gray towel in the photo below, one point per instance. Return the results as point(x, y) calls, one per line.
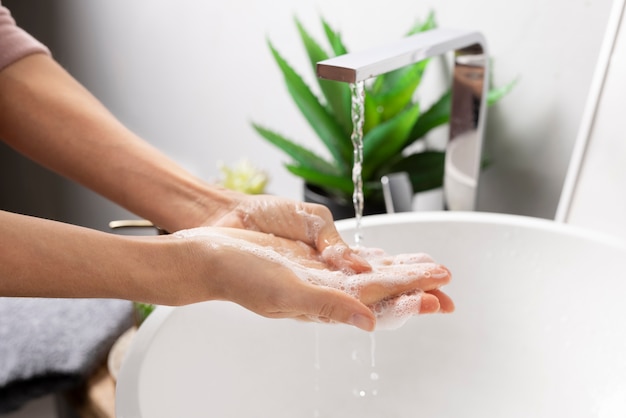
point(48, 345)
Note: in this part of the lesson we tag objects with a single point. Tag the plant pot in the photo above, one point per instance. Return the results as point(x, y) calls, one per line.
point(341, 208)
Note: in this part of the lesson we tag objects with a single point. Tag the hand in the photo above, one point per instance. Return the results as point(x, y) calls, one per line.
point(277, 277)
point(415, 280)
point(306, 222)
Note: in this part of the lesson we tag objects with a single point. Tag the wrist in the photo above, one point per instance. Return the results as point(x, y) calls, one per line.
point(153, 269)
point(173, 270)
point(200, 204)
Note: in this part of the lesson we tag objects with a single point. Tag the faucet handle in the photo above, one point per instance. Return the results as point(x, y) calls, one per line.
point(136, 223)
point(397, 192)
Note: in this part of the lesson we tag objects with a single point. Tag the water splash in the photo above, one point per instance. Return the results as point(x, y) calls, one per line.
point(366, 389)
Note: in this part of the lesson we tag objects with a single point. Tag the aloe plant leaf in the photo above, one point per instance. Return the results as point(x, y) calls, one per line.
point(298, 153)
point(438, 114)
point(324, 125)
point(335, 185)
point(387, 140)
point(339, 48)
point(395, 90)
point(334, 39)
point(429, 23)
point(372, 113)
point(385, 82)
point(425, 169)
point(337, 94)
point(495, 94)
point(341, 185)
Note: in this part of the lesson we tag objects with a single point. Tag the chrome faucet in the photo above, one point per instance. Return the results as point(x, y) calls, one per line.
point(469, 92)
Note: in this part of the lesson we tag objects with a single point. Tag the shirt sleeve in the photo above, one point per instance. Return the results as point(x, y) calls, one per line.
point(15, 43)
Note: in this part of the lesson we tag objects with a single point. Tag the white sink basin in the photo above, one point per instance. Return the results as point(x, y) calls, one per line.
point(539, 331)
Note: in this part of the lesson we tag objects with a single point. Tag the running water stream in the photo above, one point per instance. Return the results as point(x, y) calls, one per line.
point(358, 119)
point(367, 388)
point(358, 199)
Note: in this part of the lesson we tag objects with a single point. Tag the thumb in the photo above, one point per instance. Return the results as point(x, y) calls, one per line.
point(336, 253)
point(324, 236)
point(332, 305)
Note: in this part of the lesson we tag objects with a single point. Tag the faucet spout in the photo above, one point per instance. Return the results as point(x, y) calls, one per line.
point(469, 93)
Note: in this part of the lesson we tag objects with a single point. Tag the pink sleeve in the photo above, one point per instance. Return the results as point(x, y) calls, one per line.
point(15, 43)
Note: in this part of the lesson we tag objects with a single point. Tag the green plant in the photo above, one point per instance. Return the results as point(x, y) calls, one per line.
point(243, 177)
point(394, 122)
point(142, 311)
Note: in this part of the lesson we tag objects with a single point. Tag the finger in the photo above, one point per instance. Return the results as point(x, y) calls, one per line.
point(335, 252)
point(378, 257)
point(314, 225)
point(445, 302)
point(397, 280)
point(331, 305)
point(429, 304)
point(416, 303)
point(339, 256)
point(392, 313)
point(395, 312)
point(425, 276)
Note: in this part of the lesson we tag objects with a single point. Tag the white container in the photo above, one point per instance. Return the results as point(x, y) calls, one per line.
point(538, 332)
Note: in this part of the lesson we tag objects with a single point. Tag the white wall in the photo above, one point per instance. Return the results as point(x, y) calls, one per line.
point(190, 75)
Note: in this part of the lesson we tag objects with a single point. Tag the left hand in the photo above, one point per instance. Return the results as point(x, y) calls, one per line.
point(310, 223)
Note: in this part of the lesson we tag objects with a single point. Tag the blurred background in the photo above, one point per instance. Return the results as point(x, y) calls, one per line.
point(190, 76)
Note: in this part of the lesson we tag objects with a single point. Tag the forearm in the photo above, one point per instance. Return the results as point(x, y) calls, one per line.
point(49, 117)
point(50, 259)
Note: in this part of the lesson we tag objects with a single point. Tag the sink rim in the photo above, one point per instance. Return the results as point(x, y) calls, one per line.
point(491, 218)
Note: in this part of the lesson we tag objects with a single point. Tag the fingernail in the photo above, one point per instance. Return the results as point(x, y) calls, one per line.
point(361, 321)
point(359, 262)
point(439, 272)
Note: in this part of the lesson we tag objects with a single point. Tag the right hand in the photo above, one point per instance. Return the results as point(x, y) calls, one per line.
point(277, 277)
point(299, 221)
